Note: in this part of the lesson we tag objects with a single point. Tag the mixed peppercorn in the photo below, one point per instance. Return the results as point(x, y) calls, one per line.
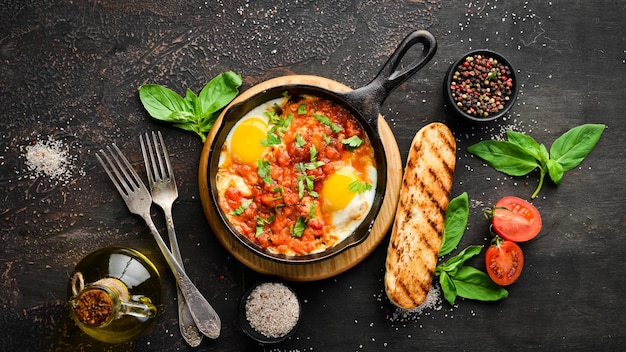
point(481, 86)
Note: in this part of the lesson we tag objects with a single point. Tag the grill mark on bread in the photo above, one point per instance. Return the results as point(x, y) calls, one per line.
point(418, 227)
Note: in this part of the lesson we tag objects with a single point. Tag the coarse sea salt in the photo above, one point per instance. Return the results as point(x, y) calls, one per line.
point(272, 309)
point(50, 158)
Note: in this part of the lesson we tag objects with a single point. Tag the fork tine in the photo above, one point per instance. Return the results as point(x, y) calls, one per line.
point(154, 150)
point(127, 169)
point(148, 157)
point(169, 172)
point(107, 167)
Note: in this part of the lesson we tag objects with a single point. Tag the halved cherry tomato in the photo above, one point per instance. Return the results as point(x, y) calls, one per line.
point(504, 261)
point(515, 219)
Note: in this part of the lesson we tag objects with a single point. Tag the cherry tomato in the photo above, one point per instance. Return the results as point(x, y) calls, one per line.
point(504, 261)
point(515, 219)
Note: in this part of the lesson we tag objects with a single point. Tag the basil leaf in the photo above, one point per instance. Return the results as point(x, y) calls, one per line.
point(555, 170)
point(191, 113)
point(162, 103)
point(192, 101)
point(472, 283)
point(448, 287)
point(455, 222)
point(505, 157)
point(453, 264)
point(216, 94)
point(573, 146)
point(187, 126)
point(529, 144)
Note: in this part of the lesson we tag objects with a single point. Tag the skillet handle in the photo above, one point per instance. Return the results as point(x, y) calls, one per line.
point(390, 76)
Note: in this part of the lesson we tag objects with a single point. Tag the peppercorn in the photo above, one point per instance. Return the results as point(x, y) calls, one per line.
point(481, 85)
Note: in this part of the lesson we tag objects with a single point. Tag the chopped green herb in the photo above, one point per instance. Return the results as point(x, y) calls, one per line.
point(302, 109)
point(326, 138)
point(272, 139)
point(311, 212)
point(313, 153)
point(305, 183)
point(264, 169)
point(272, 118)
point(298, 229)
point(300, 142)
point(359, 187)
point(260, 224)
point(309, 166)
point(353, 142)
point(326, 121)
point(241, 208)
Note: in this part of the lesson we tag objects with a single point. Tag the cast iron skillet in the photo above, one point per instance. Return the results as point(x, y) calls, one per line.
point(363, 103)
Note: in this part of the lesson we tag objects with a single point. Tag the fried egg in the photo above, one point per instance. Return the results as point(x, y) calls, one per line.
point(347, 207)
point(245, 141)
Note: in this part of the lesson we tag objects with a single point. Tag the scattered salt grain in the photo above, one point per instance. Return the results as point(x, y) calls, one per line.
point(432, 302)
point(49, 158)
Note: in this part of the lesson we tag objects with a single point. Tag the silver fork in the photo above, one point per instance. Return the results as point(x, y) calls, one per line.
point(164, 192)
point(138, 200)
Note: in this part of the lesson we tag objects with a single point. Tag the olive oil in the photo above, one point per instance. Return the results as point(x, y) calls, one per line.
point(114, 294)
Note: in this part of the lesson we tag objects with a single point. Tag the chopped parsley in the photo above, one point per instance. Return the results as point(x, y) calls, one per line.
point(359, 187)
point(326, 121)
point(305, 183)
point(241, 208)
point(298, 229)
point(353, 142)
point(313, 164)
point(279, 127)
point(264, 169)
point(300, 142)
point(260, 224)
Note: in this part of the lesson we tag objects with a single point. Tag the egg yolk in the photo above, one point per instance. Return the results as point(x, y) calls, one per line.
point(336, 190)
point(246, 140)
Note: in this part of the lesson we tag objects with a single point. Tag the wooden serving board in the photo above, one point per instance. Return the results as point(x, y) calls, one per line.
point(324, 268)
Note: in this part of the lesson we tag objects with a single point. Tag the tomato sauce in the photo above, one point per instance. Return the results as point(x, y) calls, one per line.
point(286, 214)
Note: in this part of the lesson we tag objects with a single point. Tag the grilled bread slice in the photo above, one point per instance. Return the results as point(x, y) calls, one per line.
point(418, 226)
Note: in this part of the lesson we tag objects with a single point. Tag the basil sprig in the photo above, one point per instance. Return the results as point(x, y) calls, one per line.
point(456, 278)
point(521, 154)
point(195, 113)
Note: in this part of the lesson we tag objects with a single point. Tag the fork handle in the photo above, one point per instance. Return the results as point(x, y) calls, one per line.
point(188, 328)
point(202, 312)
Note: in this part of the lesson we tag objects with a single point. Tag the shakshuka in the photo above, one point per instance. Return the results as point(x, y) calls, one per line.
point(296, 175)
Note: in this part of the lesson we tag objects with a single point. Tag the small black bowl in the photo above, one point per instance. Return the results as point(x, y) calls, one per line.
point(250, 331)
point(479, 74)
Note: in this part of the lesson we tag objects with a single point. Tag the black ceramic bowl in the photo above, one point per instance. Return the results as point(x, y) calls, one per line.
point(250, 331)
point(481, 86)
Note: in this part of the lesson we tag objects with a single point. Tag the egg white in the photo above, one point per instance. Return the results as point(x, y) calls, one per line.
point(345, 221)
